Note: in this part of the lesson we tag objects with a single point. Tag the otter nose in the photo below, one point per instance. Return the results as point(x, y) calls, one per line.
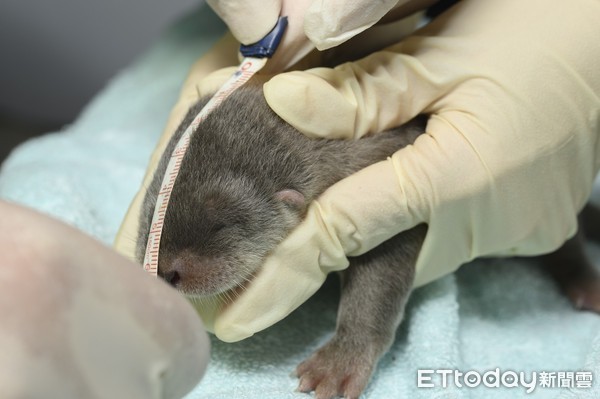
point(178, 270)
point(194, 274)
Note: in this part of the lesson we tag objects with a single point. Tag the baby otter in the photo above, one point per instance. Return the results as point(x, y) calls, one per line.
point(246, 182)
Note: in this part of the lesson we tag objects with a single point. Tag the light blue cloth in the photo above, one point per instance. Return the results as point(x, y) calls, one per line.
point(500, 313)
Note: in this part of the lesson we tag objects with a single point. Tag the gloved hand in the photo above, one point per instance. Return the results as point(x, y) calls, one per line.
point(79, 321)
point(508, 159)
point(311, 23)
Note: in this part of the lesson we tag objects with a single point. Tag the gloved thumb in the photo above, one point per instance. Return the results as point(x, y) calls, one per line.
point(293, 272)
point(357, 98)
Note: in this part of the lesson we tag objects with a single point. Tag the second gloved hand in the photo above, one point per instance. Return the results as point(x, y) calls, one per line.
point(508, 159)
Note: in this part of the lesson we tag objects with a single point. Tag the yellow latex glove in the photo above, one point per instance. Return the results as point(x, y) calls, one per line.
point(507, 161)
point(311, 23)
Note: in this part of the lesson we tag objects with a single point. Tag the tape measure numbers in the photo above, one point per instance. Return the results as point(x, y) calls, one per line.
point(256, 58)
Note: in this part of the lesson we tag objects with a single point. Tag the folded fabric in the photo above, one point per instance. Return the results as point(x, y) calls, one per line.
point(503, 314)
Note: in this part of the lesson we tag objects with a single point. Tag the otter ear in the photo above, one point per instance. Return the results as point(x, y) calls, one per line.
point(292, 198)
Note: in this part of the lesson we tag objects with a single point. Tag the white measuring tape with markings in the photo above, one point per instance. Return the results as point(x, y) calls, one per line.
point(249, 66)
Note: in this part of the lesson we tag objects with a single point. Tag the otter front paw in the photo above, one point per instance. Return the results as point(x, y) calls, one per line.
point(585, 294)
point(338, 369)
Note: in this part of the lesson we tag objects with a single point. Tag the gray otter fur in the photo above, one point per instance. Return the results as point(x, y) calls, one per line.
point(245, 182)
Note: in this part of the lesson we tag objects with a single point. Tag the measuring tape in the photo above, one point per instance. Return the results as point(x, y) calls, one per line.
point(256, 56)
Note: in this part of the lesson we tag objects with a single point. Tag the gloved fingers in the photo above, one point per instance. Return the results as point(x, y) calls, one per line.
point(222, 54)
point(330, 23)
point(325, 24)
point(289, 276)
point(254, 310)
point(354, 99)
point(248, 20)
point(81, 321)
point(373, 39)
point(371, 206)
point(294, 45)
